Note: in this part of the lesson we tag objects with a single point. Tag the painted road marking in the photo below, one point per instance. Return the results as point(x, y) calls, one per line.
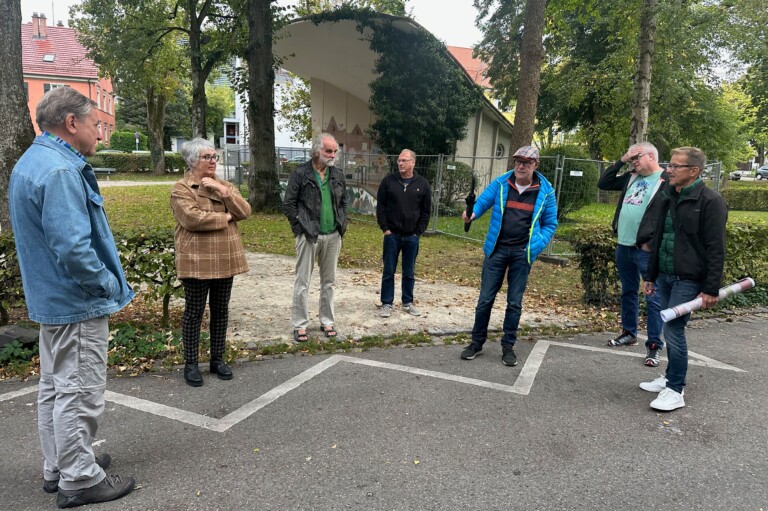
point(522, 385)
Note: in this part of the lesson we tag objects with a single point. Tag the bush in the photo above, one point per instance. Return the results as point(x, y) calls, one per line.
point(595, 253)
point(453, 187)
point(126, 141)
point(11, 292)
point(746, 199)
point(129, 162)
point(576, 190)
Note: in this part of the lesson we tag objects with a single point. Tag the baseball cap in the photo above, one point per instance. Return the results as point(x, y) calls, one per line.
point(527, 152)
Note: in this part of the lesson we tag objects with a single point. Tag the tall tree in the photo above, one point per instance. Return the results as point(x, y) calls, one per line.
point(263, 186)
point(531, 57)
point(16, 131)
point(641, 96)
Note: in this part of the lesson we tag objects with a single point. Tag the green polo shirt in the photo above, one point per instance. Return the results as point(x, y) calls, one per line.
point(327, 220)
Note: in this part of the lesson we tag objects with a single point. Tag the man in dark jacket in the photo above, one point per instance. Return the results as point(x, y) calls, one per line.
point(639, 192)
point(687, 262)
point(316, 206)
point(403, 205)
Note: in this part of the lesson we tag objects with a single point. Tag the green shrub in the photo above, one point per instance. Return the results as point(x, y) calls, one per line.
point(746, 199)
point(11, 292)
point(576, 190)
point(126, 141)
point(142, 162)
point(595, 253)
point(453, 187)
point(148, 258)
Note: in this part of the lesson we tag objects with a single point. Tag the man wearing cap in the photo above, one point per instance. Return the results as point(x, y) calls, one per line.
point(634, 223)
point(523, 221)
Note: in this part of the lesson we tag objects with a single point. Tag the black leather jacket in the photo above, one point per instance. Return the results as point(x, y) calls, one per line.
point(302, 201)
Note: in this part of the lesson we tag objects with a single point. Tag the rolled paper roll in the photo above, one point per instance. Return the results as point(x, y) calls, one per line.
point(695, 304)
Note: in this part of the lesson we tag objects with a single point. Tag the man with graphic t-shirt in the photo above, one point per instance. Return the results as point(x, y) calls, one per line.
point(639, 193)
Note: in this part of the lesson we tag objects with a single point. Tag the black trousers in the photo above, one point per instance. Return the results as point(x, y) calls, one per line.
point(196, 293)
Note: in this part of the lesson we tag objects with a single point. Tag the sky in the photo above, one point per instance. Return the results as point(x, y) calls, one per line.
point(455, 26)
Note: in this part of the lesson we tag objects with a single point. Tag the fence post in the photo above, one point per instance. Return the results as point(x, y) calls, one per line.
point(559, 171)
point(436, 193)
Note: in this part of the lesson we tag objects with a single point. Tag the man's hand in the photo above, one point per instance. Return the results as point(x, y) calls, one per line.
point(708, 301)
point(387, 232)
point(630, 153)
point(648, 288)
point(464, 217)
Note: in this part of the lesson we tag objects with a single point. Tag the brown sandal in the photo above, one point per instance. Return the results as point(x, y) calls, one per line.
point(329, 331)
point(300, 337)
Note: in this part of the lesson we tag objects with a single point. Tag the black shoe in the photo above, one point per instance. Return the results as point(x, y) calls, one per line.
point(623, 339)
point(192, 375)
point(652, 355)
point(220, 369)
point(110, 488)
point(102, 460)
point(471, 351)
point(508, 357)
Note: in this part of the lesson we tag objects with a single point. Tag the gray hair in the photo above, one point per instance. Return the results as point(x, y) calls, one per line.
point(58, 103)
point(647, 147)
point(694, 155)
point(411, 153)
point(190, 150)
point(317, 143)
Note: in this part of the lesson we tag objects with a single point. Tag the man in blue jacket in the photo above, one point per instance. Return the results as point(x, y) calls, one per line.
point(523, 221)
point(73, 281)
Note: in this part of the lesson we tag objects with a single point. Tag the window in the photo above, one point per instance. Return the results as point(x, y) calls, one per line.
point(500, 150)
point(49, 86)
point(49, 57)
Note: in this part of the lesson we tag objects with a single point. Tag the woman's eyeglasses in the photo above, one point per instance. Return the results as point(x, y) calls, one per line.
point(209, 157)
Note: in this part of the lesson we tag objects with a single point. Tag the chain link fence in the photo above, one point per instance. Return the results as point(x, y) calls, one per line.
point(451, 177)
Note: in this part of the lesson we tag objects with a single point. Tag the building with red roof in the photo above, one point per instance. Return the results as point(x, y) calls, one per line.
point(53, 57)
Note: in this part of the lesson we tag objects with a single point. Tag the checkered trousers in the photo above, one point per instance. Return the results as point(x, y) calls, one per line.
point(196, 292)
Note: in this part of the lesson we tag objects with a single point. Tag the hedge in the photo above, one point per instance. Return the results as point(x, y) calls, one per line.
point(126, 141)
point(746, 256)
point(133, 162)
point(746, 199)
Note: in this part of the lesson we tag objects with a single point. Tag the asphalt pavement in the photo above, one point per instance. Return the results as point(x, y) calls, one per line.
point(420, 429)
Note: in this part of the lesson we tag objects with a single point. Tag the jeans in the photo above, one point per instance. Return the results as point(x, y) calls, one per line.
point(632, 263)
point(673, 291)
point(514, 263)
point(393, 245)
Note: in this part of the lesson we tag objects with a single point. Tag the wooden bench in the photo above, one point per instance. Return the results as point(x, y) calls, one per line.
point(104, 170)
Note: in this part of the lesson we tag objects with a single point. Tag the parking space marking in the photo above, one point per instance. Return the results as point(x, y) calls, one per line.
point(522, 385)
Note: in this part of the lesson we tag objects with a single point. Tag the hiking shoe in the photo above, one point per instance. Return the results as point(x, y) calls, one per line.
point(471, 351)
point(110, 488)
point(102, 460)
point(508, 357)
point(624, 339)
point(656, 385)
point(386, 310)
point(652, 355)
point(410, 309)
point(668, 400)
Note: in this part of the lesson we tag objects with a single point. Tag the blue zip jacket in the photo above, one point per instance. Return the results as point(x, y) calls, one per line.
point(544, 220)
point(70, 268)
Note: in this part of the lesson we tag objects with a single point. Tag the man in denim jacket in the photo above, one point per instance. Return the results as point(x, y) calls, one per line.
point(72, 281)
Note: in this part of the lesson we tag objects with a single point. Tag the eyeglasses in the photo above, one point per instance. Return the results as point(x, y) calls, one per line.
point(524, 163)
point(637, 157)
point(209, 157)
point(673, 166)
point(403, 161)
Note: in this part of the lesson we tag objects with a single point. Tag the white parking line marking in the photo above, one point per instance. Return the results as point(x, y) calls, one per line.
point(522, 385)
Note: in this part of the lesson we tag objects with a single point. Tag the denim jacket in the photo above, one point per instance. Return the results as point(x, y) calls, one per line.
point(70, 267)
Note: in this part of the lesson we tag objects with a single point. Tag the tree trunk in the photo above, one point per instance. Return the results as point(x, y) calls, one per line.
point(641, 96)
point(531, 56)
point(196, 69)
point(16, 131)
point(155, 120)
point(263, 186)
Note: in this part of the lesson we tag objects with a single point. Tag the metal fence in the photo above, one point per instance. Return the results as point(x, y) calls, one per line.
point(575, 182)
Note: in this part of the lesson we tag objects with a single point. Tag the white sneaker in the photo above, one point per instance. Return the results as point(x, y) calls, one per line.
point(386, 310)
point(668, 400)
point(656, 385)
point(410, 309)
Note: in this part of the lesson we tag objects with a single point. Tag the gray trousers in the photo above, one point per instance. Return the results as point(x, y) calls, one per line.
point(326, 252)
point(73, 377)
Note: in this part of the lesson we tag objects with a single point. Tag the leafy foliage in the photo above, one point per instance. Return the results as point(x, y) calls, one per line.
point(454, 184)
point(11, 292)
point(296, 109)
point(126, 141)
point(129, 162)
point(595, 247)
point(754, 198)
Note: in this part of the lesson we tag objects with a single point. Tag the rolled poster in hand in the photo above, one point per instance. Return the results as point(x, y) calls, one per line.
point(694, 305)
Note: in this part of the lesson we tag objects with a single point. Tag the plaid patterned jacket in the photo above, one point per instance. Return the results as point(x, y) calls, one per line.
point(207, 246)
